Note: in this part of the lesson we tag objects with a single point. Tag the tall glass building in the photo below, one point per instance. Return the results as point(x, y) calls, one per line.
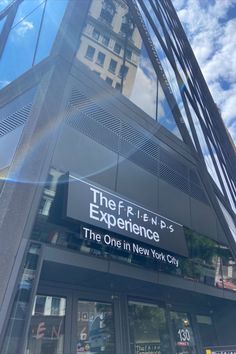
point(117, 192)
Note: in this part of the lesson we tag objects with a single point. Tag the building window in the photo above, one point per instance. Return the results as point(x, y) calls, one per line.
point(96, 34)
point(108, 11)
point(105, 40)
point(118, 86)
point(123, 71)
point(100, 59)
point(112, 66)
point(127, 26)
point(109, 81)
point(129, 54)
point(117, 48)
point(90, 53)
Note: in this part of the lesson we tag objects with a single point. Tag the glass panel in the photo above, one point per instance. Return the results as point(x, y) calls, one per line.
point(95, 328)
point(51, 21)
point(183, 333)
point(148, 329)
point(19, 51)
point(2, 23)
point(122, 60)
point(4, 4)
point(207, 331)
point(46, 333)
point(19, 312)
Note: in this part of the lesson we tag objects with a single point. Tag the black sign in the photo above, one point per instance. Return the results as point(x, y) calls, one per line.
point(93, 205)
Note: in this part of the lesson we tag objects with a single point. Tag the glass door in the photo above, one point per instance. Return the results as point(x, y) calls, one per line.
point(148, 329)
point(183, 333)
point(95, 327)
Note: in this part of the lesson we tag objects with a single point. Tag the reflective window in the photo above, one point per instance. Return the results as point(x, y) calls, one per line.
point(134, 75)
point(46, 332)
point(148, 329)
point(117, 48)
point(112, 66)
point(207, 331)
point(107, 11)
point(31, 37)
point(2, 23)
point(96, 34)
point(100, 59)
point(52, 18)
point(105, 40)
point(15, 330)
point(95, 328)
point(183, 333)
point(4, 4)
point(90, 53)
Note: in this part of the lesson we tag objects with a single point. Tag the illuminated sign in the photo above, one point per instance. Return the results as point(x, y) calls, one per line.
point(96, 206)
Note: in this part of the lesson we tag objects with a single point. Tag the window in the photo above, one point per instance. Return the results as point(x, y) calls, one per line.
point(96, 34)
point(127, 25)
point(108, 11)
point(117, 48)
point(118, 86)
point(109, 81)
point(90, 53)
point(123, 71)
point(112, 66)
point(100, 59)
point(148, 329)
point(128, 54)
point(105, 40)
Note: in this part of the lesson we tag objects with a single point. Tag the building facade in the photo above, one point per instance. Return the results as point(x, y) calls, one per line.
point(118, 184)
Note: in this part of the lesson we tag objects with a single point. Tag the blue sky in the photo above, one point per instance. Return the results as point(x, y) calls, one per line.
point(211, 29)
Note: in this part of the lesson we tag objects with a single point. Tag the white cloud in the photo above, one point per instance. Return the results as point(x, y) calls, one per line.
point(4, 83)
point(24, 27)
point(212, 35)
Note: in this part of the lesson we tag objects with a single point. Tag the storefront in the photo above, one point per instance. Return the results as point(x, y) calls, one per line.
point(101, 289)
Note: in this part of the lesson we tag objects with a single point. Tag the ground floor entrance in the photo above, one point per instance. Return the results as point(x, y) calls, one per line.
point(78, 321)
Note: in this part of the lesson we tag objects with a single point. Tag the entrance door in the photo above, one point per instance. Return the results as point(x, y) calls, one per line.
point(95, 327)
point(148, 329)
point(183, 333)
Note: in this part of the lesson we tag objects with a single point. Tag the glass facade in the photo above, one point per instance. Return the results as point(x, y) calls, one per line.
point(120, 58)
point(208, 262)
point(31, 36)
point(128, 157)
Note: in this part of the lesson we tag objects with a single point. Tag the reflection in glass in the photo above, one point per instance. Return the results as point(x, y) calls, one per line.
point(207, 331)
point(148, 329)
point(14, 333)
point(95, 328)
point(2, 23)
point(54, 12)
point(46, 333)
point(208, 261)
point(19, 50)
point(31, 37)
point(183, 333)
point(122, 60)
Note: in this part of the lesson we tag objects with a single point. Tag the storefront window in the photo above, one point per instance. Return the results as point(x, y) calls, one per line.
point(183, 333)
point(95, 328)
point(46, 333)
point(148, 329)
point(15, 330)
